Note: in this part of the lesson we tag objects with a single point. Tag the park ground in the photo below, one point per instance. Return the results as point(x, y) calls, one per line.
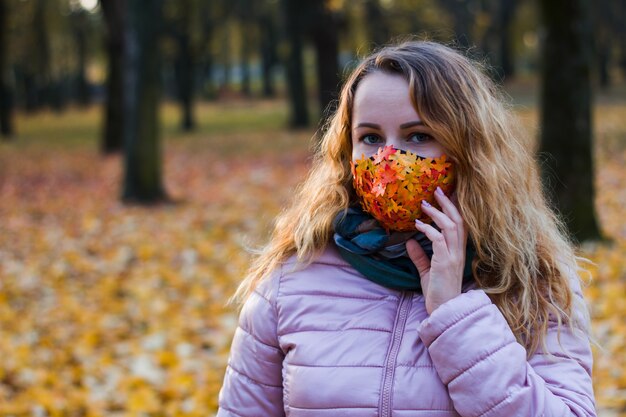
point(115, 310)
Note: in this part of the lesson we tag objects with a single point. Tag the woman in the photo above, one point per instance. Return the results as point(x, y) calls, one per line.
point(419, 271)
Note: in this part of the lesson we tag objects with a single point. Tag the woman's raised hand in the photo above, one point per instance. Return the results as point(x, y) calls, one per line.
point(442, 276)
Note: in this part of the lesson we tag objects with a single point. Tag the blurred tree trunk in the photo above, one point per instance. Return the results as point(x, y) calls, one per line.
point(185, 69)
point(43, 76)
point(79, 22)
point(115, 20)
point(621, 35)
point(185, 65)
point(507, 13)
point(268, 53)
point(603, 54)
point(205, 60)
point(27, 83)
point(142, 180)
point(325, 34)
point(84, 97)
point(294, 27)
point(226, 57)
point(566, 133)
point(378, 29)
point(246, 46)
point(606, 29)
point(462, 20)
point(248, 14)
point(6, 96)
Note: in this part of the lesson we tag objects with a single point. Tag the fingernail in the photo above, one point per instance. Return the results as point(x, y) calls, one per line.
point(425, 203)
point(439, 191)
point(418, 222)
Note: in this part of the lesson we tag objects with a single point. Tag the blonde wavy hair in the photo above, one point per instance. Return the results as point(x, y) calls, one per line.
point(524, 261)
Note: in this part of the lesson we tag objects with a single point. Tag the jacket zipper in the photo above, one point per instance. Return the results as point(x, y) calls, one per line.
point(384, 407)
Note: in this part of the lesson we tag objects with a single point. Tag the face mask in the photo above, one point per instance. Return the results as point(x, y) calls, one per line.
point(392, 184)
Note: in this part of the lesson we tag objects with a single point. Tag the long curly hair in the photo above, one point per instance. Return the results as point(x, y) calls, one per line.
point(524, 260)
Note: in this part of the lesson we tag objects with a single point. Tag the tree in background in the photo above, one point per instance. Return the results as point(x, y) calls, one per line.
point(113, 129)
point(182, 26)
point(42, 76)
point(621, 34)
point(294, 20)
point(79, 22)
point(505, 19)
point(269, 40)
point(566, 134)
point(50, 47)
point(604, 41)
point(462, 18)
point(205, 54)
point(142, 179)
point(609, 28)
point(246, 11)
point(496, 42)
point(318, 21)
point(376, 21)
point(226, 30)
point(6, 95)
point(185, 66)
point(325, 25)
point(50, 44)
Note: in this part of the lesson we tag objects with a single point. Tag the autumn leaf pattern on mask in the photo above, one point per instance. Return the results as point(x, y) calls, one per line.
point(392, 184)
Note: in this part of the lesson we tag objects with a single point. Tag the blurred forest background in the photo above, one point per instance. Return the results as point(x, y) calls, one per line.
point(146, 145)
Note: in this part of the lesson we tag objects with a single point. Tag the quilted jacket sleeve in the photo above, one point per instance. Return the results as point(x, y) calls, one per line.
point(253, 382)
point(486, 371)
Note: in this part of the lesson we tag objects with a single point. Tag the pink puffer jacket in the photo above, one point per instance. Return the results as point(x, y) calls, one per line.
point(325, 341)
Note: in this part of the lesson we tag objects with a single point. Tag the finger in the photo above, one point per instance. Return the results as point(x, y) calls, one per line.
point(449, 229)
point(435, 236)
point(418, 257)
point(454, 199)
point(450, 208)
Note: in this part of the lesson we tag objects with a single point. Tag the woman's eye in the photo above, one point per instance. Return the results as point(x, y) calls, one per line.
point(370, 139)
point(419, 137)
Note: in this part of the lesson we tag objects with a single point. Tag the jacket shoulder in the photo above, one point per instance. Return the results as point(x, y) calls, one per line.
point(329, 275)
point(328, 256)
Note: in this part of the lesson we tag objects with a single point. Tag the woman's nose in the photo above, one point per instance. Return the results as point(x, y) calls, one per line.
point(395, 142)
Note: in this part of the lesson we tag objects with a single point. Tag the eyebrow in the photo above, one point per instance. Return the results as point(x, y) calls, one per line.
point(372, 125)
point(402, 126)
point(411, 124)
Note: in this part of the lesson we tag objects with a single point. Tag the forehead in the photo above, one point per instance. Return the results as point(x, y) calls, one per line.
point(383, 97)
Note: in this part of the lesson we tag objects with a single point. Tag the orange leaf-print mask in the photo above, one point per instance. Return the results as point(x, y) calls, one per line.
point(392, 184)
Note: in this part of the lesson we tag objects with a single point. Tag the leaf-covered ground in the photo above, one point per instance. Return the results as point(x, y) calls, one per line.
point(113, 310)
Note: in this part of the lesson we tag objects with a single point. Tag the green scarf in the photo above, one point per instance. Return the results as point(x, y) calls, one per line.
point(382, 257)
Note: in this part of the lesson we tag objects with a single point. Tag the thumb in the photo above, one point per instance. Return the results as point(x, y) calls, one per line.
point(418, 257)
